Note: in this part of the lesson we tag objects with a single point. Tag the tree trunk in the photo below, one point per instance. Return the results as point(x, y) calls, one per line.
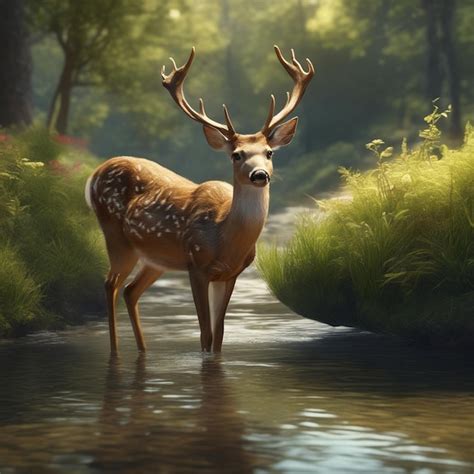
point(448, 44)
point(62, 120)
point(62, 96)
point(15, 71)
point(52, 108)
point(434, 75)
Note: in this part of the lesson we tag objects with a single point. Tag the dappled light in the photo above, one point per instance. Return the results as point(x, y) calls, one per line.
point(236, 236)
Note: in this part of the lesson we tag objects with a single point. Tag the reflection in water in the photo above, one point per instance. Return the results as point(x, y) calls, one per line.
point(287, 395)
point(210, 437)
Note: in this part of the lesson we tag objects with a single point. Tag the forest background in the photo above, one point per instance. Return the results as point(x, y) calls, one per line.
point(90, 71)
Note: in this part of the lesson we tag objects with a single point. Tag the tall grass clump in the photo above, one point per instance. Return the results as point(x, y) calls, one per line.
point(51, 255)
point(398, 257)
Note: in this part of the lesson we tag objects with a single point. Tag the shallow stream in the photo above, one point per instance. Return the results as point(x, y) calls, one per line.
point(286, 395)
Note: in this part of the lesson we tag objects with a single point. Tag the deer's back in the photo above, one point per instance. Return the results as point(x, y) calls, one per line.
point(170, 221)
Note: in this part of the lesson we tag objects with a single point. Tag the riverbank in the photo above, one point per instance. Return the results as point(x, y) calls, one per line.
point(398, 257)
point(52, 259)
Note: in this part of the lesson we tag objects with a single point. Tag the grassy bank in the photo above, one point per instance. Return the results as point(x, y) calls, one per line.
point(396, 258)
point(51, 255)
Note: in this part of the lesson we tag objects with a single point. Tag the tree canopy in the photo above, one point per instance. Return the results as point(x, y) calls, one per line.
point(379, 65)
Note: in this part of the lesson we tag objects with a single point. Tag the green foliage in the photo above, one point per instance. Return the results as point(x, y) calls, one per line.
point(51, 254)
point(313, 173)
point(398, 256)
point(370, 58)
point(20, 294)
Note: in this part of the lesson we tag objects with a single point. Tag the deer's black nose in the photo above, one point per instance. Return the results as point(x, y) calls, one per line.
point(260, 177)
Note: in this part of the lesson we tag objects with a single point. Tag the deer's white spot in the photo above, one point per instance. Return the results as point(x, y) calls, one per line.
point(133, 231)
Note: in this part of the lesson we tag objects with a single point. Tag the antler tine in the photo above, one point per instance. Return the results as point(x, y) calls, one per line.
point(271, 111)
point(175, 67)
point(202, 110)
point(296, 62)
point(174, 83)
point(301, 80)
point(228, 121)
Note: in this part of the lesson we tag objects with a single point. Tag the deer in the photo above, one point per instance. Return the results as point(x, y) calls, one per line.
point(157, 220)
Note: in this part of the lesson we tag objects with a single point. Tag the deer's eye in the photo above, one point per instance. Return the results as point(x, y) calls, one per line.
point(236, 156)
point(269, 154)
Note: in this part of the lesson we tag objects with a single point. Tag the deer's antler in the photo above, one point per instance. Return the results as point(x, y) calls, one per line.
point(174, 83)
point(301, 79)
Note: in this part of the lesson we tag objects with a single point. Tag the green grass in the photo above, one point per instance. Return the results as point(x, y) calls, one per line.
point(52, 259)
point(396, 258)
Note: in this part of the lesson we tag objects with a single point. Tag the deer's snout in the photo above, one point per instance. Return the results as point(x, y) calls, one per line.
point(259, 177)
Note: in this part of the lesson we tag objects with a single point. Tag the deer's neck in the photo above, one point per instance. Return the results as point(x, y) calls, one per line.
point(246, 218)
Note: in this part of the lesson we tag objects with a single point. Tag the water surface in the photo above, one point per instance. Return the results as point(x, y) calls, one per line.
point(286, 395)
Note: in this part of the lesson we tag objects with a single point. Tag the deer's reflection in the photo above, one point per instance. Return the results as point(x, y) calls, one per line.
point(145, 428)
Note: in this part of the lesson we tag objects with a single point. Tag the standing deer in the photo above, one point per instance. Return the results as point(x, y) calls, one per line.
point(149, 214)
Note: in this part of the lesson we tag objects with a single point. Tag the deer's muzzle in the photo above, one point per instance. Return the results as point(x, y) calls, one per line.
point(259, 177)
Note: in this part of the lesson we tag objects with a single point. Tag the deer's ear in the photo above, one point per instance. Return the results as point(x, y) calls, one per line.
point(283, 134)
point(215, 138)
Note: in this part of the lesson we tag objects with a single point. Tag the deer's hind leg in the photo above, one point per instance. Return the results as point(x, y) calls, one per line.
point(132, 292)
point(122, 261)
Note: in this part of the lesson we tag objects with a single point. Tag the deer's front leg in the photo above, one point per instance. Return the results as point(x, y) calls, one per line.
point(200, 287)
point(219, 296)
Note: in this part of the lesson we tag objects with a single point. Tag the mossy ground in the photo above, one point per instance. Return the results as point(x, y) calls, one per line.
point(396, 258)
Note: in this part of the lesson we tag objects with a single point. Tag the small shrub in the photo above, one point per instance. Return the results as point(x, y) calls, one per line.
point(20, 294)
point(399, 256)
point(48, 234)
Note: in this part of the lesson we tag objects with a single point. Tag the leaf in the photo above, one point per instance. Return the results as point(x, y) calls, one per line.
point(387, 153)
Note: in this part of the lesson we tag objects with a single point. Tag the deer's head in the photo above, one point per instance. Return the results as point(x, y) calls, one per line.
point(251, 155)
